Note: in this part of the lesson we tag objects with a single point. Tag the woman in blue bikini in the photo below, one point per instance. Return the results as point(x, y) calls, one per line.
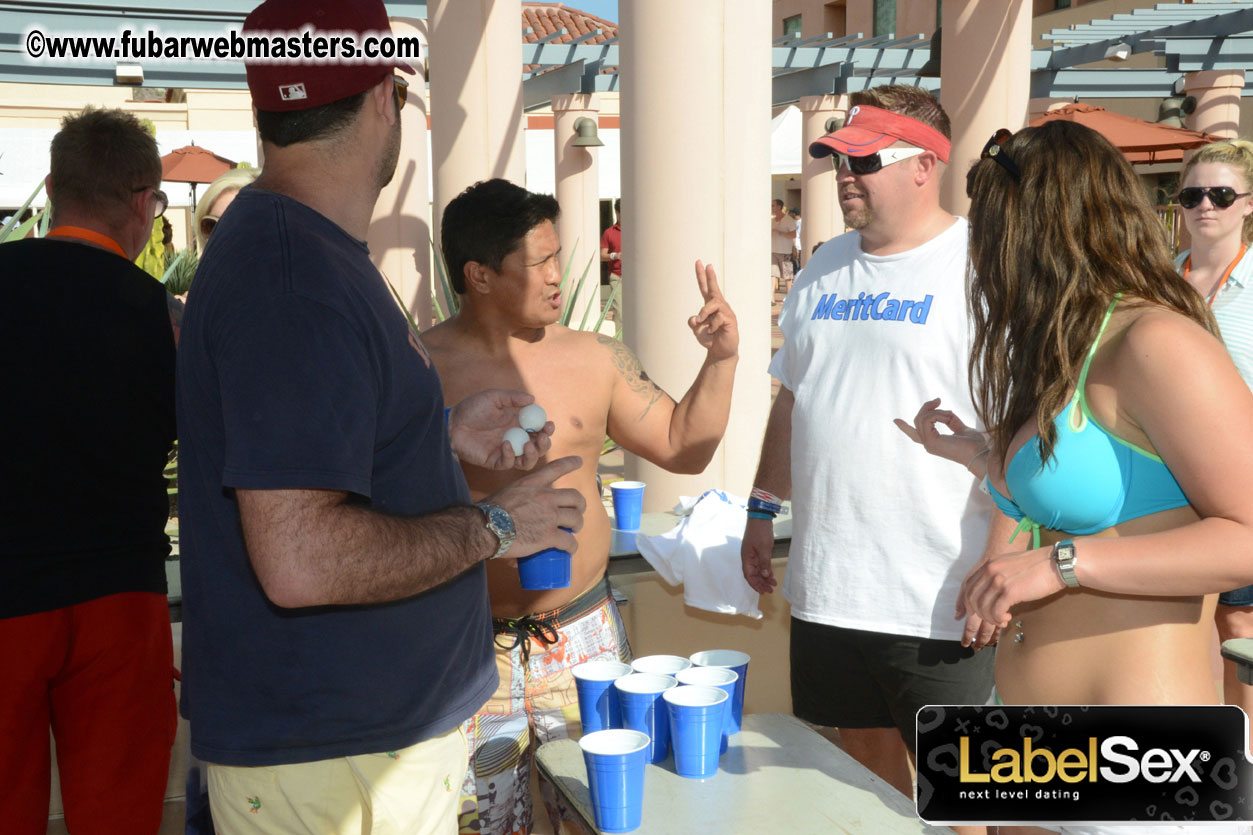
point(1094, 356)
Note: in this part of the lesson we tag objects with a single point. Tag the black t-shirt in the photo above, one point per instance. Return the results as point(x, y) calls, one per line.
point(297, 369)
point(86, 423)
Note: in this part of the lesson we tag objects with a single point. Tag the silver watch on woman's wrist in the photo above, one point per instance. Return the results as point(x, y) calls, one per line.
point(1065, 559)
point(500, 523)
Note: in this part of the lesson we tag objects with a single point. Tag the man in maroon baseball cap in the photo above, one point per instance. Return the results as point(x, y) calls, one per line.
point(875, 324)
point(337, 627)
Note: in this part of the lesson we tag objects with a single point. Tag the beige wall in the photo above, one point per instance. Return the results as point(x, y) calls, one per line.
point(659, 622)
point(44, 105)
point(848, 17)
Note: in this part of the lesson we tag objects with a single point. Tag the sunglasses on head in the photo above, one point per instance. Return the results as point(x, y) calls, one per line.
point(873, 162)
point(1221, 196)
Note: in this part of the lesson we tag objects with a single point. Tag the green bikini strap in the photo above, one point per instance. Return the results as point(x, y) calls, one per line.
point(1083, 375)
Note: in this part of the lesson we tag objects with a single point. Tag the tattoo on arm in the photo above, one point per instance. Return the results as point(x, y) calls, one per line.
point(628, 365)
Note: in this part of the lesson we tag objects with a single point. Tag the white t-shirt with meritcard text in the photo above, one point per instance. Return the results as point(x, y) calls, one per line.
point(883, 532)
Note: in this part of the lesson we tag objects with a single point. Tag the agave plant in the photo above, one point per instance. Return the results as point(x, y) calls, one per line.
point(14, 231)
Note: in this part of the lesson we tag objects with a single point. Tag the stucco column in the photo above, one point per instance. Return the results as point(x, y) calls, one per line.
point(821, 216)
point(1217, 95)
point(696, 184)
point(400, 230)
point(986, 78)
point(476, 96)
point(578, 193)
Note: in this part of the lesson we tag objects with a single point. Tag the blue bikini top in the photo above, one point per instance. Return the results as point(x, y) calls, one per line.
point(1094, 479)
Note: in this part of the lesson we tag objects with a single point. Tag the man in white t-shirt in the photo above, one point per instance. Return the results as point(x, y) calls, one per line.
point(883, 535)
point(782, 237)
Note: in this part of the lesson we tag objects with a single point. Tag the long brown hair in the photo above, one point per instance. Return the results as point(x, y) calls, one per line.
point(1048, 252)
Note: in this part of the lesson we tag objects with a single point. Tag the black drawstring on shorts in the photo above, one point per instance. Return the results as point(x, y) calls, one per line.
point(522, 630)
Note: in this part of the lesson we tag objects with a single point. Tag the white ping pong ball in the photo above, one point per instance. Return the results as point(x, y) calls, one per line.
point(517, 439)
point(532, 418)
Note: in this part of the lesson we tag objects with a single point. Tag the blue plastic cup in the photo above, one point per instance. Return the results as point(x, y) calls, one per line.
point(720, 677)
point(628, 503)
point(732, 659)
point(662, 665)
point(598, 702)
point(547, 569)
point(643, 710)
point(697, 715)
point(615, 761)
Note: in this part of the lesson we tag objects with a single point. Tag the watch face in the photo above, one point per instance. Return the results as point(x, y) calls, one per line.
point(501, 520)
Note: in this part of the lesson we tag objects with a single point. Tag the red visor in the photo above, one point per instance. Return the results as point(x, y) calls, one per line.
point(869, 130)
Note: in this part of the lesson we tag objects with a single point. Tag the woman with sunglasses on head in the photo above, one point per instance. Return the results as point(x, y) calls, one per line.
point(1218, 213)
point(1098, 371)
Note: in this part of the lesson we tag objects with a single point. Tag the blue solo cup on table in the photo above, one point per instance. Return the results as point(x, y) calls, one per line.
point(643, 709)
point(697, 715)
point(662, 665)
point(722, 678)
point(598, 702)
point(732, 659)
point(615, 761)
point(628, 503)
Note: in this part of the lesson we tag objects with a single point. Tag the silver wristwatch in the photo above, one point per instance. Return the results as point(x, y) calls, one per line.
point(1065, 559)
point(500, 523)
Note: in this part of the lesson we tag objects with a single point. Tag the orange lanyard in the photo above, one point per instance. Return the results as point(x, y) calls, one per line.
point(87, 235)
point(1187, 267)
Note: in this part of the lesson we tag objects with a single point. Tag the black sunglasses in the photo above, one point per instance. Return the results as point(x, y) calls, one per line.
point(162, 201)
point(1221, 196)
point(402, 91)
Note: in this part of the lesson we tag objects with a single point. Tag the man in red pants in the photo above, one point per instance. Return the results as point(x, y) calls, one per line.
point(87, 368)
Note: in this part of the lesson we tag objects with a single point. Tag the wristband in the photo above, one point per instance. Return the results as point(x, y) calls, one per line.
point(757, 514)
point(975, 457)
point(766, 496)
point(762, 505)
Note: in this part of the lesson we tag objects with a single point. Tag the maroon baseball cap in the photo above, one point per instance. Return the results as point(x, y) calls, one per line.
point(312, 82)
point(869, 130)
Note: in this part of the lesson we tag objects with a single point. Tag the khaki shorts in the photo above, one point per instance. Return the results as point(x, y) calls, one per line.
point(413, 790)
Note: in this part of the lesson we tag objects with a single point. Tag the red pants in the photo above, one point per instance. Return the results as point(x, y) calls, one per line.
point(99, 674)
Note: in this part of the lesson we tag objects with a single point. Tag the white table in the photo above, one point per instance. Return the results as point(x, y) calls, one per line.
point(777, 776)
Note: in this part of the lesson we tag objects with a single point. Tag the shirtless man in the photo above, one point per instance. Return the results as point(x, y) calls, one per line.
point(502, 253)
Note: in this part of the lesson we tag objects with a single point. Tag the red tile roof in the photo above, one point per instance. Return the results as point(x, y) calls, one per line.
point(546, 18)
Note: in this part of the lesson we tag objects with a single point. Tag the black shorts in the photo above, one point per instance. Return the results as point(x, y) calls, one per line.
point(847, 678)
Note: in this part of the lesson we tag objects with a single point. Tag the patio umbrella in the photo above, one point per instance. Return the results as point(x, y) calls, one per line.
point(1140, 141)
point(193, 164)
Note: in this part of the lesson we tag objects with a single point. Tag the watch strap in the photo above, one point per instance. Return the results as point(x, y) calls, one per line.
point(1065, 558)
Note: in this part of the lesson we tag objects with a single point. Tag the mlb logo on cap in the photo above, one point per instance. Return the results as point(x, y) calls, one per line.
point(291, 92)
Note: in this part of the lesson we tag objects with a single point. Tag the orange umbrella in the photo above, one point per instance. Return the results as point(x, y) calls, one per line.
point(1140, 141)
point(193, 164)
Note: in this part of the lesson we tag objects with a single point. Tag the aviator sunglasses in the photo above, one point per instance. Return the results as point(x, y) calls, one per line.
point(1221, 196)
point(873, 162)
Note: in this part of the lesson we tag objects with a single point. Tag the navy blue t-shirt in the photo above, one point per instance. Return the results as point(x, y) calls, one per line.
point(297, 369)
